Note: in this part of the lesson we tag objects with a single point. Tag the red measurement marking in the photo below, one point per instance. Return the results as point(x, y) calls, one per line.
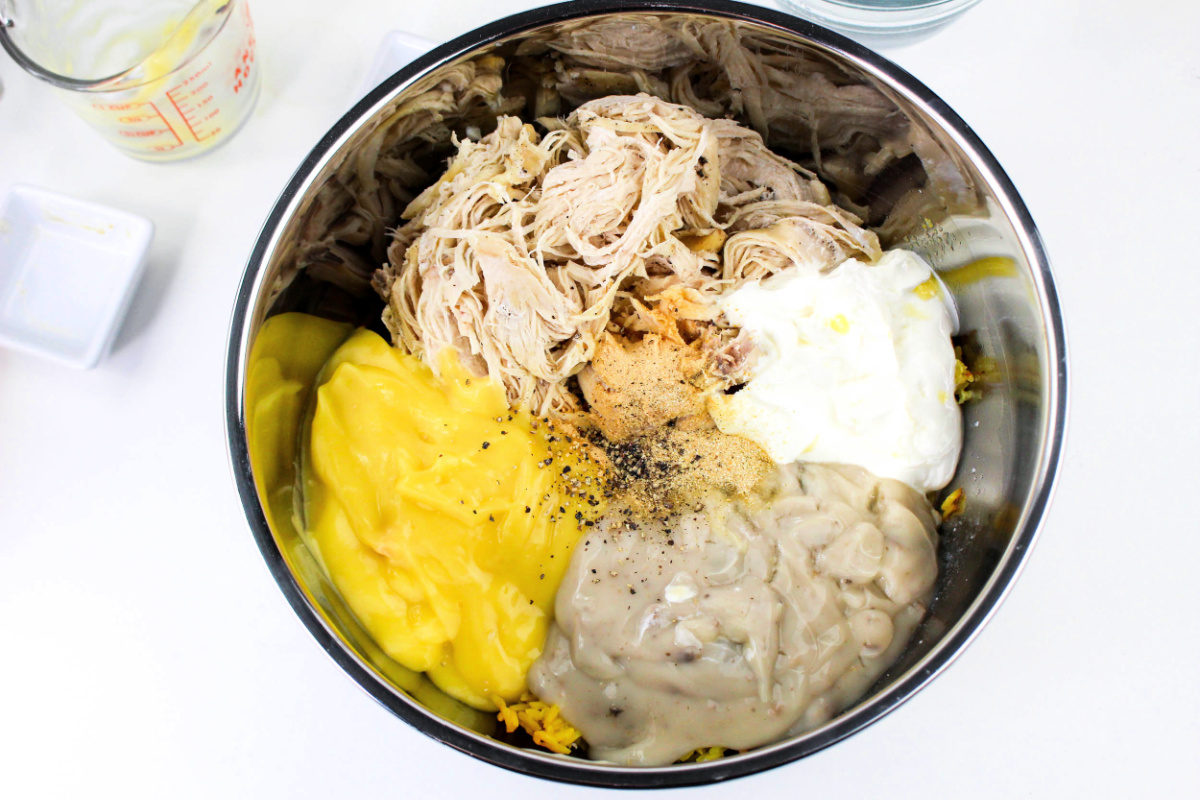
point(242, 73)
point(188, 118)
point(137, 117)
point(178, 141)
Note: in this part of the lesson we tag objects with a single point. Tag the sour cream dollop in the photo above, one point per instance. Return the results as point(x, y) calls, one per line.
point(855, 366)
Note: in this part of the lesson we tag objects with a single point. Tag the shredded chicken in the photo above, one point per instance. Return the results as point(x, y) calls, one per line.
point(882, 166)
point(795, 98)
point(528, 247)
point(342, 236)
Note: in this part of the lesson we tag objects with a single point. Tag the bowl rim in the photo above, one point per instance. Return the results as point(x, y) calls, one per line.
point(594, 773)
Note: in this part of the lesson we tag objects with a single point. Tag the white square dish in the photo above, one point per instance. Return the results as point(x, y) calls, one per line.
point(68, 269)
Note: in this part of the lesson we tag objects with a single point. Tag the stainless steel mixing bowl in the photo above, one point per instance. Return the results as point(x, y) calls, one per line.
point(949, 200)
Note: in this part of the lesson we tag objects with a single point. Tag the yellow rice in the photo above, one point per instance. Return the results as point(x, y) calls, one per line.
point(541, 721)
point(963, 378)
point(954, 504)
point(704, 754)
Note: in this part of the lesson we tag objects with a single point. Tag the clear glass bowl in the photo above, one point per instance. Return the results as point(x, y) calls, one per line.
point(880, 21)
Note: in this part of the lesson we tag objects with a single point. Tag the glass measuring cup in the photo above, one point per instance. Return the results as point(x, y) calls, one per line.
point(161, 80)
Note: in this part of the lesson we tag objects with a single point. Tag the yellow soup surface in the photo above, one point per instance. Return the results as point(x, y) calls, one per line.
point(444, 519)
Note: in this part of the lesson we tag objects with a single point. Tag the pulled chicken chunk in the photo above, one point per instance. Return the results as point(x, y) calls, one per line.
point(529, 246)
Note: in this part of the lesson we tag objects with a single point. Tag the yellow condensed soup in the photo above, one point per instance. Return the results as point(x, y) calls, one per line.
point(444, 519)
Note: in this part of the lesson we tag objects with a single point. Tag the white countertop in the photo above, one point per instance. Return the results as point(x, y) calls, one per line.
point(146, 651)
